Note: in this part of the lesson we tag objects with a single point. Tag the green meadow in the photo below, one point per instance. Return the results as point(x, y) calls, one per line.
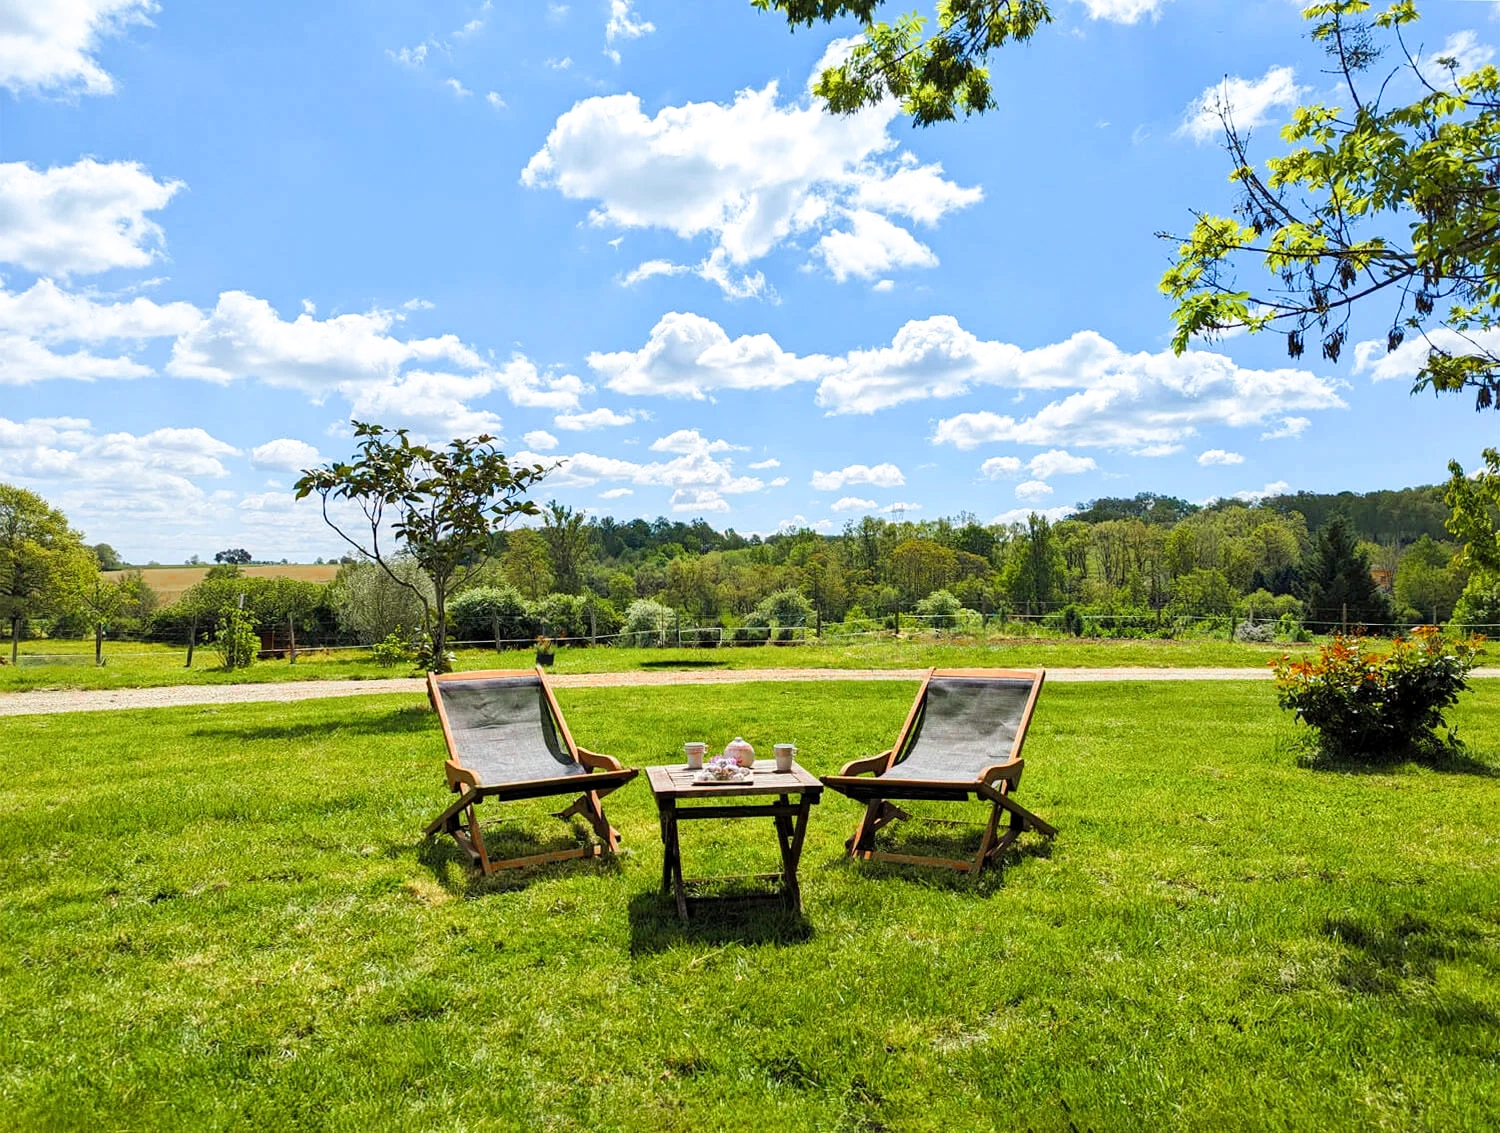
point(226, 917)
point(70, 664)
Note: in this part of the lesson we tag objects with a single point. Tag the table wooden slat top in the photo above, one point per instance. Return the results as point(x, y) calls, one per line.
point(676, 781)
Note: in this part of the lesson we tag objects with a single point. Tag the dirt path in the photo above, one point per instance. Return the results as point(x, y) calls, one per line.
point(173, 696)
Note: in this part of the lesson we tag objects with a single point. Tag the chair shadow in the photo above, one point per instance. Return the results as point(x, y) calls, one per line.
point(747, 919)
point(956, 840)
point(451, 869)
point(395, 721)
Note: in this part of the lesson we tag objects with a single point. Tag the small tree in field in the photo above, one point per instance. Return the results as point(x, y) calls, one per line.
point(104, 601)
point(441, 505)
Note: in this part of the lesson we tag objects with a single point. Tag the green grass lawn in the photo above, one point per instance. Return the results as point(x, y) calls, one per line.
point(131, 665)
point(225, 917)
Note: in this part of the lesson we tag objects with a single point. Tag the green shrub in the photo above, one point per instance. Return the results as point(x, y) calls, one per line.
point(484, 613)
point(394, 650)
point(562, 615)
point(1372, 705)
point(1478, 609)
point(754, 630)
point(787, 610)
point(939, 610)
point(235, 641)
point(647, 623)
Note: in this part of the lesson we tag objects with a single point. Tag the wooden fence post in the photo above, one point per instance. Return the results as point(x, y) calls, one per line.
point(192, 640)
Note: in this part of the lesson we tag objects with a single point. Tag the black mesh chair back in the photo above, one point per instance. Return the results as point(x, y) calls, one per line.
point(503, 730)
point(967, 724)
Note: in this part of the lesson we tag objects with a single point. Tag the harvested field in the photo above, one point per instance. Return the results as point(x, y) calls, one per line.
point(171, 581)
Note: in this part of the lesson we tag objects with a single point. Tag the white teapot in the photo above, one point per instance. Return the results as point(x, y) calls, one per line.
point(739, 749)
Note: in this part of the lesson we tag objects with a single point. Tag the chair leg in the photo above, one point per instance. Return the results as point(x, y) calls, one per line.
point(476, 838)
point(987, 843)
point(879, 813)
point(588, 807)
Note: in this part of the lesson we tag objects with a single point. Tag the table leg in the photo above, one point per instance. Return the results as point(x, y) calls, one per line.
point(784, 844)
point(794, 854)
point(662, 812)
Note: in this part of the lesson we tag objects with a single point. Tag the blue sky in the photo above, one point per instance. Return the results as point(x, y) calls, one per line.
point(623, 236)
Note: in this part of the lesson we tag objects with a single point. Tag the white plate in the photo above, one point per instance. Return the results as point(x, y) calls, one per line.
point(746, 775)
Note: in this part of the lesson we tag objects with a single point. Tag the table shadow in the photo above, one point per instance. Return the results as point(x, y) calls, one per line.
point(731, 918)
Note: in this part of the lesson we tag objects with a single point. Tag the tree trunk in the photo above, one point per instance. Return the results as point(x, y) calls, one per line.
point(440, 629)
point(192, 640)
point(98, 643)
point(15, 637)
point(291, 629)
point(495, 625)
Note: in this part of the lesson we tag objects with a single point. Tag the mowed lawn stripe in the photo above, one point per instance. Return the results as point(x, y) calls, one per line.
point(214, 916)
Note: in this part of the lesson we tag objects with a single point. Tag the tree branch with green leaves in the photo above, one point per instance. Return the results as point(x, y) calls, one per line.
point(1397, 206)
point(934, 76)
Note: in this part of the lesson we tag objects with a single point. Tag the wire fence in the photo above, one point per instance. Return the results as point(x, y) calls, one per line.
point(691, 633)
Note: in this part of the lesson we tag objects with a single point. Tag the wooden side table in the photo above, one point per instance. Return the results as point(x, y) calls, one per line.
point(720, 800)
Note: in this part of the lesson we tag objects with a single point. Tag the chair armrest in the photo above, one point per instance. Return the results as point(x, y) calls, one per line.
point(874, 765)
point(460, 776)
point(596, 762)
point(1010, 771)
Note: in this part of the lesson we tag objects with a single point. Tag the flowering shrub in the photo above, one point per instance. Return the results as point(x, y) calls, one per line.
point(1372, 704)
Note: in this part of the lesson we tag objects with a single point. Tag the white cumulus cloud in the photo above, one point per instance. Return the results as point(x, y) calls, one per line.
point(284, 454)
point(50, 45)
point(1248, 103)
point(1289, 427)
point(1146, 403)
point(624, 23)
point(1033, 490)
point(600, 418)
point(1215, 456)
point(541, 440)
point(1122, 11)
point(1059, 462)
point(1255, 495)
point(81, 218)
point(880, 476)
point(749, 176)
point(851, 503)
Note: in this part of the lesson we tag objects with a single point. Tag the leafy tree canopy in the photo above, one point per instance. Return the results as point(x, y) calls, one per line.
point(42, 560)
point(443, 507)
point(1395, 207)
point(236, 555)
point(935, 76)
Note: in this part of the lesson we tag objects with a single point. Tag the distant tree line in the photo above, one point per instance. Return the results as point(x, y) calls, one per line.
point(1144, 565)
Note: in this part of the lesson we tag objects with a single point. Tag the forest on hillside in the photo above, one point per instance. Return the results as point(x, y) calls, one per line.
point(1142, 566)
point(1146, 565)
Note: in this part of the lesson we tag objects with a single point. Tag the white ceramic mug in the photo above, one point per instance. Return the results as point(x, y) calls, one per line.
point(785, 753)
point(695, 752)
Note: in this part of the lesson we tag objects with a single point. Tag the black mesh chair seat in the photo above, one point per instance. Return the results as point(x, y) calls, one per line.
point(962, 739)
point(507, 741)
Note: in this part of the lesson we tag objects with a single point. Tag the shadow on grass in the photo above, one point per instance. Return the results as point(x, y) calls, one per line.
point(1439, 756)
point(730, 917)
point(396, 721)
point(451, 868)
point(1379, 958)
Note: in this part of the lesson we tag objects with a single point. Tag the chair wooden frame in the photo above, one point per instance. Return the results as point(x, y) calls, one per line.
point(863, 781)
point(605, 774)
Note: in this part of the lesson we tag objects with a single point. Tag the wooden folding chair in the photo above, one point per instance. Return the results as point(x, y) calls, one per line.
point(507, 740)
point(962, 738)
